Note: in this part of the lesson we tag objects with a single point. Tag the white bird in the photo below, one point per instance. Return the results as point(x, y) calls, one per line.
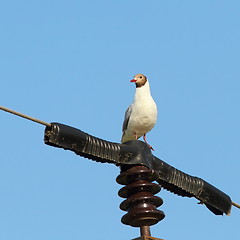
point(141, 115)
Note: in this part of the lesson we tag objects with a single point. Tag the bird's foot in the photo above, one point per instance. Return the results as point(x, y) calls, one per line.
point(150, 147)
point(145, 140)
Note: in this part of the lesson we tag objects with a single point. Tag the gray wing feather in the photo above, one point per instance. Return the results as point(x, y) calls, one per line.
point(127, 117)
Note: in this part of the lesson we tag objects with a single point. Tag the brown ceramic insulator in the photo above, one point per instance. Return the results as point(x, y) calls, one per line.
point(133, 173)
point(141, 204)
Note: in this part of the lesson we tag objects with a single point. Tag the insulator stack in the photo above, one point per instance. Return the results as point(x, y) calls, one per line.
point(141, 204)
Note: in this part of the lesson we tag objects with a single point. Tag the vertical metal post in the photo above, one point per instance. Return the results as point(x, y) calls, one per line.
point(145, 231)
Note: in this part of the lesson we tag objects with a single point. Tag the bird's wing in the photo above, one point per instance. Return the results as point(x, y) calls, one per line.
point(126, 118)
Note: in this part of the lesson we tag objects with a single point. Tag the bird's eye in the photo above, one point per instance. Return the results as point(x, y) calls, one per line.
point(140, 76)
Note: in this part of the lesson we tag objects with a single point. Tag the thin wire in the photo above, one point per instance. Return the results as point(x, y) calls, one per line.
point(25, 116)
point(236, 205)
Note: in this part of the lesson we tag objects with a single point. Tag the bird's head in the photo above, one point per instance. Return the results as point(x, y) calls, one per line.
point(139, 80)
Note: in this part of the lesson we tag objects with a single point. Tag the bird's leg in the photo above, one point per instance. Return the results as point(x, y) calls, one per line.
point(145, 140)
point(136, 137)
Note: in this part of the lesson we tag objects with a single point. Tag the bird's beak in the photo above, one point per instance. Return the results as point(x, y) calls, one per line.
point(133, 80)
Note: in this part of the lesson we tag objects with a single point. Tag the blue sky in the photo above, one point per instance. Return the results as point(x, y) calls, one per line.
point(71, 62)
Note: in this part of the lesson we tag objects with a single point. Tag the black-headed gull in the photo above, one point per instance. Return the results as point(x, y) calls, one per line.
point(141, 115)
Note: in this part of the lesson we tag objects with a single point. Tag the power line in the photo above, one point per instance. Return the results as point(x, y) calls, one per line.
point(25, 116)
point(236, 205)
